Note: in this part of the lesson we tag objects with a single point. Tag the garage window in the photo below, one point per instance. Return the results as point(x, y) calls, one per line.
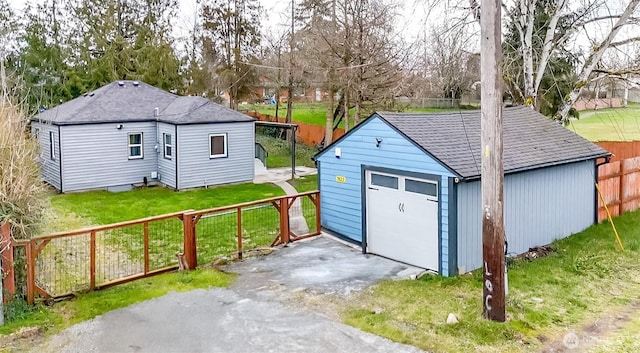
point(384, 181)
point(421, 187)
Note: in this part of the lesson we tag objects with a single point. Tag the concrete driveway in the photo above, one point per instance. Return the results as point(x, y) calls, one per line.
point(257, 314)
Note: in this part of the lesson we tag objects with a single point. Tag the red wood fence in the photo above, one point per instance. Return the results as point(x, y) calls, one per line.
point(310, 135)
point(620, 186)
point(621, 149)
point(63, 263)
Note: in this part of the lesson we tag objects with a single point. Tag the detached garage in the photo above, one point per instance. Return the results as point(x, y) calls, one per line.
point(406, 186)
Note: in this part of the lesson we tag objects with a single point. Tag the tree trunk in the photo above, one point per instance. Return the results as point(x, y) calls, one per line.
point(346, 109)
point(328, 129)
point(593, 60)
point(625, 99)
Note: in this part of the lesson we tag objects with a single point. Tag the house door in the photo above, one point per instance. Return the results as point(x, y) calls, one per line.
point(402, 218)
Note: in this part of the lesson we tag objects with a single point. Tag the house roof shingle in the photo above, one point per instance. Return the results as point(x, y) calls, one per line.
point(530, 140)
point(130, 101)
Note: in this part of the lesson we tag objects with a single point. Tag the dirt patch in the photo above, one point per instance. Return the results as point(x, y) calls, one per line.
point(21, 340)
point(589, 335)
point(536, 252)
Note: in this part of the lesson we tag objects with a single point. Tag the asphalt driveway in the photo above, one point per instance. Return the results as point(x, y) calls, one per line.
point(256, 314)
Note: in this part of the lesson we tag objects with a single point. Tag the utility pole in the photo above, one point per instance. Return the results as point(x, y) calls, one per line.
point(290, 88)
point(492, 176)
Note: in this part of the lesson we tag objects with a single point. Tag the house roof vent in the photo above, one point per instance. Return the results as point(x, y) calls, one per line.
point(91, 94)
point(121, 83)
point(156, 112)
point(85, 94)
point(136, 83)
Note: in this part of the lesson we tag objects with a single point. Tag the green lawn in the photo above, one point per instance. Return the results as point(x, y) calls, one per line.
point(305, 183)
point(280, 152)
point(309, 113)
point(586, 278)
point(615, 124)
point(104, 207)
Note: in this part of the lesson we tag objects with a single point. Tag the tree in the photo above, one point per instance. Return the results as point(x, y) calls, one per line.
point(233, 29)
point(546, 92)
point(118, 40)
point(544, 27)
point(355, 48)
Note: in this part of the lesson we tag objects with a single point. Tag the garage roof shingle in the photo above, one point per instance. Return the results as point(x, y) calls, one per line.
point(530, 140)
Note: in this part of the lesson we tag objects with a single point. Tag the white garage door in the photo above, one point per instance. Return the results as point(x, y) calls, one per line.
point(402, 218)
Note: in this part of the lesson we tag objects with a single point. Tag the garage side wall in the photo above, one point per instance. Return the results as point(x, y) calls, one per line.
point(540, 206)
point(340, 179)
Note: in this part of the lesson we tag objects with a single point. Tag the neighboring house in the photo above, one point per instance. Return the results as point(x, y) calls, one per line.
point(129, 132)
point(406, 186)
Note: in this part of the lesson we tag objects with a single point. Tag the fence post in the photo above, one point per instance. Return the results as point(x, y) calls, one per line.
point(317, 202)
point(92, 258)
point(31, 273)
point(622, 189)
point(239, 210)
point(190, 252)
point(284, 220)
point(145, 239)
point(9, 280)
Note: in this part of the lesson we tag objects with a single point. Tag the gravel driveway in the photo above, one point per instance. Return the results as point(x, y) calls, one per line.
point(255, 315)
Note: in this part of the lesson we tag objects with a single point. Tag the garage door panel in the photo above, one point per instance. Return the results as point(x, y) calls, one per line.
point(402, 219)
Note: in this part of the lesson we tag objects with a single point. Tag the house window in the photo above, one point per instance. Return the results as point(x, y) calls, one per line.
point(135, 146)
point(168, 146)
point(52, 145)
point(217, 145)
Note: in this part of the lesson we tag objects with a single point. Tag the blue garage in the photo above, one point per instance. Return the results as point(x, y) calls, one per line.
point(406, 185)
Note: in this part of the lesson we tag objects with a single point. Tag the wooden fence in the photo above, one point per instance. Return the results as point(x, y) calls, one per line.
point(310, 135)
point(60, 264)
point(620, 186)
point(621, 149)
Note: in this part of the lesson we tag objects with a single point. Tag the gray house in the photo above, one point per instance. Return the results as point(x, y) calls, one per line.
point(129, 132)
point(407, 186)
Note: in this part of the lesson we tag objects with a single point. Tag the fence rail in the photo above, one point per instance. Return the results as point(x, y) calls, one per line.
point(620, 186)
point(64, 263)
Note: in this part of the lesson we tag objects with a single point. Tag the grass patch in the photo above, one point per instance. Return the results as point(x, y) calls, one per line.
point(89, 305)
point(309, 113)
point(614, 124)
point(586, 277)
point(104, 207)
point(280, 152)
point(305, 183)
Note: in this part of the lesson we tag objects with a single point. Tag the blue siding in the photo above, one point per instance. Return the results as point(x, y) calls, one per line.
point(540, 206)
point(197, 169)
point(341, 203)
point(96, 156)
point(167, 167)
point(50, 167)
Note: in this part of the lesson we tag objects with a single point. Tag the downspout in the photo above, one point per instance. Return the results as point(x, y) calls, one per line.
point(606, 161)
point(175, 149)
point(60, 158)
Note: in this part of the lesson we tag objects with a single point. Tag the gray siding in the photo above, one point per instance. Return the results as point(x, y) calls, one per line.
point(96, 155)
point(196, 169)
point(167, 167)
point(50, 168)
point(540, 206)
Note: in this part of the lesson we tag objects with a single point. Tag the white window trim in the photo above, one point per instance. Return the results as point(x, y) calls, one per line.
point(165, 144)
point(141, 145)
point(52, 145)
point(226, 147)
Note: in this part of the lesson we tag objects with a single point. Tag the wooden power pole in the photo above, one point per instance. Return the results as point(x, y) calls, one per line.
point(492, 176)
